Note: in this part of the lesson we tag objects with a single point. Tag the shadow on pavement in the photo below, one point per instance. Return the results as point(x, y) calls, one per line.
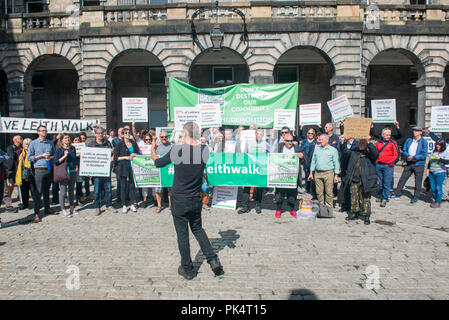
point(302, 294)
point(228, 239)
point(2, 243)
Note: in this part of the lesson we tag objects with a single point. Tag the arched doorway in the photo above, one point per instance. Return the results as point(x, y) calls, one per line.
point(393, 74)
point(212, 69)
point(313, 70)
point(51, 89)
point(137, 74)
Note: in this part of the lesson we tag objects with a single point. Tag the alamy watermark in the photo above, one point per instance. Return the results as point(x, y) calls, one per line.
point(73, 280)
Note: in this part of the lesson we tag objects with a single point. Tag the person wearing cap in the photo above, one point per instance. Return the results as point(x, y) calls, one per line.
point(415, 153)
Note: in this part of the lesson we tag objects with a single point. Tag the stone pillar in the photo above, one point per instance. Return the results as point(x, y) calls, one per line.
point(261, 79)
point(430, 93)
point(94, 100)
point(16, 99)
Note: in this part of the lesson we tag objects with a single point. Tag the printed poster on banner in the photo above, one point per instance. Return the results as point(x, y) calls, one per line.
point(145, 172)
point(210, 115)
point(187, 114)
point(30, 125)
point(340, 108)
point(95, 162)
point(383, 111)
point(284, 118)
point(145, 149)
point(309, 114)
point(79, 147)
point(282, 170)
point(135, 109)
point(225, 197)
point(439, 119)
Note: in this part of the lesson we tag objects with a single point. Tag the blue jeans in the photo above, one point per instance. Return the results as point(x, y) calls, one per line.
point(436, 183)
point(101, 183)
point(385, 179)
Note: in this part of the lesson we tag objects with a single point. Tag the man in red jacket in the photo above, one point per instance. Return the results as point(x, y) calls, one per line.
point(388, 156)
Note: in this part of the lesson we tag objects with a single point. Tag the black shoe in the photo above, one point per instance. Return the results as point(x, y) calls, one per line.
point(187, 275)
point(216, 267)
point(352, 216)
point(12, 209)
point(22, 207)
point(367, 221)
point(258, 209)
point(243, 210)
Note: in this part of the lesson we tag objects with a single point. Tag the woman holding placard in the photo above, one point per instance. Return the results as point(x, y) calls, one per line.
point(437, 171)
point(124, 153)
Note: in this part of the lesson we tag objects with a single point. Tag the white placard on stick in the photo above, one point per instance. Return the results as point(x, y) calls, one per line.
point(284, 118)
point(187, 114)
point(210, 115)
point(340, 108)
point(95, 162)
point(383, 111)
point(439, 119)
point(135, 109)
point(309, 114)
point(225, 197)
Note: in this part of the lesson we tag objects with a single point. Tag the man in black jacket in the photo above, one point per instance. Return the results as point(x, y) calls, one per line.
point(361, 177)
point(13, 152)
point(189, 161)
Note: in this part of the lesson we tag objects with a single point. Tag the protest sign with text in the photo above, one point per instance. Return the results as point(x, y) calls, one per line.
point(25, 125)
point(357, 127)
point(340, 108)
point(439, 119)
point(79, 147)
point(95, 162)
point(185, 114)
point(225, 197)
point(383, 111)
point(284, 118)
point(309, 114)
point(135, 109)
point(210, 115)
point(145, 172)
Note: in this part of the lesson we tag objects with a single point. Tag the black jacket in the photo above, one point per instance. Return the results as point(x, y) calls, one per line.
point(13, 152)
point(368, 159)
point(121, 150)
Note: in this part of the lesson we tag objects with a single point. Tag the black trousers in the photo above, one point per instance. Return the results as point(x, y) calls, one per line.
point(25, 189)
point(187, 212)
point(418, 171)
point(282, 193)
point(258, 193)
point(42, 179)
point(127, 189)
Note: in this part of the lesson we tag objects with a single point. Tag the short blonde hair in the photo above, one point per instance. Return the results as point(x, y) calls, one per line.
point(26, 141)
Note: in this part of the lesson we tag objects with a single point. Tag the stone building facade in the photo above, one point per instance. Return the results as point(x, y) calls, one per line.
point(78, 59)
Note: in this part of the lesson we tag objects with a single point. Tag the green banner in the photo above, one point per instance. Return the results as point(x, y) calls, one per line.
point(227, 169)
point(240, 104)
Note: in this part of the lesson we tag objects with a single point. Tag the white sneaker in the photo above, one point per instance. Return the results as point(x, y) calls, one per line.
point(65, 215)
point(133, 208)
point(75, 213)
point(125, 209)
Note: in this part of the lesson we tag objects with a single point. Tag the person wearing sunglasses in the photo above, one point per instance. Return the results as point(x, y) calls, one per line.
point(162, 149)
point(308, 143)
point(124, 153)
point(288, 147)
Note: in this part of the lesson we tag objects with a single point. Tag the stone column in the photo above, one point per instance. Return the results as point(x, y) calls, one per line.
point(430, 93)
point(94, 100)
point(16, 99)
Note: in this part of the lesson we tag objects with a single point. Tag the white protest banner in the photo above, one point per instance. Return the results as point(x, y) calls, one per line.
point(145, 149)
point(247, 135)
point(310, 114)
point(284, 118)
point(225, 197)
point(439, 119)
point(95, 162)
point(135, 109)
point(383, 111)
point(186, 114)
point(210, 115)
point(79, 147)
point(340, 108)
point(25, 125)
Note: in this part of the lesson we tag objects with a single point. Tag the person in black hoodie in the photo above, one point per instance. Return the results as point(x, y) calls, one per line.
point(361, 177)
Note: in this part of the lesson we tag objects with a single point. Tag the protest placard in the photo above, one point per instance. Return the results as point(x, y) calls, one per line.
point(282, 170)
point(95, 162)
point(225, 197)
point(383, 111)
point(27, 125)
point(439, 119)
point(135, 109)
point(309, 114)
point(145, 149)
point(79, 147)
point(357, 127)
point(340, 108)
point(210, 115)
point(284, 118)
point(187, 114)
point(145, 172)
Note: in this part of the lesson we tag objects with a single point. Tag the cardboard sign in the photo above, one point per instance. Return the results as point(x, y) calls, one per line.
point(135, 109)
point(225, 197)
point(383, 111)
point(309, 114)
point(210, 115)
point(186, 114)
point(439, 119)
point(30, 125)
point(95, 162)
point(284, 118)
point(340, 108)
point(357, 127)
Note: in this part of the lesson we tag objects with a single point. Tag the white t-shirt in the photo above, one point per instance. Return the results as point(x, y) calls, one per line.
point(286, 150)
point(413, 147)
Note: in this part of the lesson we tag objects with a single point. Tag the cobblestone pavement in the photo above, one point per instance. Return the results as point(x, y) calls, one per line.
point(135, 256)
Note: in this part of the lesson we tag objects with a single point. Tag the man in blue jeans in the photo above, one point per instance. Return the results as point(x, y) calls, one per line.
point(415, 151)
point(102, 183)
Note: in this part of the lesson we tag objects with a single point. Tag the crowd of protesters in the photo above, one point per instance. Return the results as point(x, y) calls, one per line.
point(333, 166)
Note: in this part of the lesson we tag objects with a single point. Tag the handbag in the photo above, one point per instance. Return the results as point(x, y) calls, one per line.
point(60, 172)
point(325, 212)
point(27, 174)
